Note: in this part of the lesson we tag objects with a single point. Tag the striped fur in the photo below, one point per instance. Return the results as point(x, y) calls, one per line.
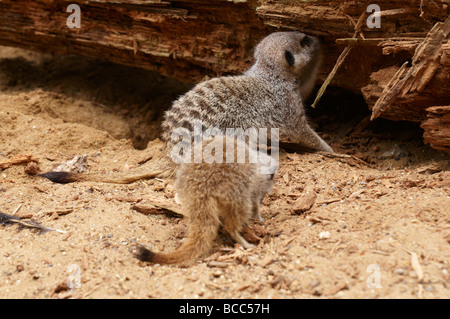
point(269, 95)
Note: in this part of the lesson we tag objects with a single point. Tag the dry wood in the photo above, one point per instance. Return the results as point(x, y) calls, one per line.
point(304, 203)
point(425, 63)
point(157, 206)
point(416, 266)
point(60, 211)
point(437, 127)
point(18, 160)
point(190, 39)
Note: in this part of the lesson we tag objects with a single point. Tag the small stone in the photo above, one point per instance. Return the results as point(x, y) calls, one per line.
point(399, 271)
point(430, 288)
point(324, 235)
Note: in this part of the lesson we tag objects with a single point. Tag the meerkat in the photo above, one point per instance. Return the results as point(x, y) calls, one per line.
point(268, 95)
point(215, 194)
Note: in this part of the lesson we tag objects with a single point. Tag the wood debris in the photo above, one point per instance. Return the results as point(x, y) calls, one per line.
point(155, 206)
point(123, 198)
point(410, 79)
point(218, 264)
point(8, 219)
point(22, 159)
point(415, 264)
point(304, 203)
point(60, 211)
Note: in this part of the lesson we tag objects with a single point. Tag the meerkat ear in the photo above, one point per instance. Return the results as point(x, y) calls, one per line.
point(289, 58)
point(306, 41)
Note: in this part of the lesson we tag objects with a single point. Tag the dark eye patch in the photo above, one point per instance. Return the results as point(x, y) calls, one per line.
point(306, 41)
point(289, 58)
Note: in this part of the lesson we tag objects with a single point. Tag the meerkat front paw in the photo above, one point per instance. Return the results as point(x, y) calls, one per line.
point(327, 148)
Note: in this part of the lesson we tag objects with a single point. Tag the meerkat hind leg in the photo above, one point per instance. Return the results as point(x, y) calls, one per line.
point(240, 240)
point(234, 218)
point(257, 211)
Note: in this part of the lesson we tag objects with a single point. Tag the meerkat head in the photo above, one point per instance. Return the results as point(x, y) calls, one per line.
point(292, 54)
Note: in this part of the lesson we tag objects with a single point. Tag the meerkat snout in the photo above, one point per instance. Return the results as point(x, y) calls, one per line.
point(299, 50)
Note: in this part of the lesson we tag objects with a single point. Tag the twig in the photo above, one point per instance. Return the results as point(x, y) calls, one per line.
point(416, 266)
point(381, 252)
point(18, 160)
point(61, 211)
point(330, 77)
point(6, 218)
point(16, 210)
point(358, 26)
point(329, 201)
point(421, 9)
point(345, 156)
point(335, 247)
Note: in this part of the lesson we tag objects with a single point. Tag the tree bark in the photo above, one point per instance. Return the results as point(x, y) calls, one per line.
point(437, 128)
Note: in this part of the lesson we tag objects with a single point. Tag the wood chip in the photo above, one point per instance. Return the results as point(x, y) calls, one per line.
point(60, 212)
point(356, 194)
point(123, 198)
point(290, 240)
point(316, 220)
point(218, 264)
point(243, 287)
point(158, 208)
point(18, 160)
point(329, 201)
point(416, 266)
point(41, 189)
point(24, 215)
point(266, 261)
point(304, 203)
point(250, 235)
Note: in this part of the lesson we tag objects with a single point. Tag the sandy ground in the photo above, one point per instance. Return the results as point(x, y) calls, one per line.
point(379, 226)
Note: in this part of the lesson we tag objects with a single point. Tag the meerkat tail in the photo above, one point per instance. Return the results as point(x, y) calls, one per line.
point(203, 229)
point(67, 177)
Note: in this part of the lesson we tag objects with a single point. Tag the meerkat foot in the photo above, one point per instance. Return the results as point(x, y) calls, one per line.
point(260, 219)
point(240, 240)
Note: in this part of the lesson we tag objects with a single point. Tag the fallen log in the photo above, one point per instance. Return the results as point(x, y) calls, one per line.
point(190, 39)
point(409, 82)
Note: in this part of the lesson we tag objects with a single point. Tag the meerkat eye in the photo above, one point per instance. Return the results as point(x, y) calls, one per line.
point(289, 58)
point(306, 41)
